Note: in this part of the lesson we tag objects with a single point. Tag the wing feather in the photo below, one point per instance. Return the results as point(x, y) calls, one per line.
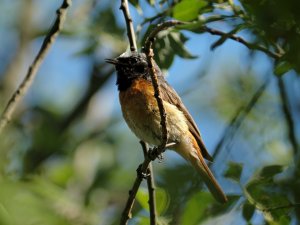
point(169, 95)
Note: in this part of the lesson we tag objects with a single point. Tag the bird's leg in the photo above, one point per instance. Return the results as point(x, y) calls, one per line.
point(155, 152)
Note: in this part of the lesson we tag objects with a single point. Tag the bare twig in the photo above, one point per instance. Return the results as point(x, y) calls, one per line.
point(291, 205)
point(25, 85)
point(129, 25)
point(242, 41)
point(288, 115)
point(160, 27)
point(126, 215)
point(239, 116)
point(151, 187)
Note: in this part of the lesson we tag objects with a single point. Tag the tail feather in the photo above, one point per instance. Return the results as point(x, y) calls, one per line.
point(189, 149)
point(197, 160)
point(209, 179)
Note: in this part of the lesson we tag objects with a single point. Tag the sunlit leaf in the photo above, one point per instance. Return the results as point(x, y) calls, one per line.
point(188, 10)
point(142, 197)
point(162, 200)
point(199, 201)
point(282, 67)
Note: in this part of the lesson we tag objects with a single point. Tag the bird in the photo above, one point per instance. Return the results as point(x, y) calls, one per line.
point(141, 113)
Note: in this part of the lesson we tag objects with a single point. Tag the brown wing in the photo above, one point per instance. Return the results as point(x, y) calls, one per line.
point(168, 94)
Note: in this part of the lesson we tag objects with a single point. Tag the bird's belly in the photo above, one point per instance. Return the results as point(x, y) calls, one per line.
point(142, 115)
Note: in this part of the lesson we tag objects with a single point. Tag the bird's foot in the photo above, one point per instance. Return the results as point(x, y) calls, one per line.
point(154, 153)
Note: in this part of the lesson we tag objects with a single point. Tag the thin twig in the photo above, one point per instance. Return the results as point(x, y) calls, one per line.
point(160, 27)
point(291, 135)
point(129, 25)
point(239, 116)
point(242, 41)
point(288, 116)
point(291, 205)
point(32, 71)
point(151, 187)
point(126, 215)
point(149, 53)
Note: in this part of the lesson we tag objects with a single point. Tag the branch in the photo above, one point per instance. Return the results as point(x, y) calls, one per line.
point(239, 116)
point(149, 53)
point(141, 172)
point(32, 71)
point(291, 205)
point(126, 215)
point(129, 25)
point(242, 41)
point(288, 116)
point(151, 188)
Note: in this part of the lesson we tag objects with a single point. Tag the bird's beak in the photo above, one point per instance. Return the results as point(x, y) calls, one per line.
point(112, 61)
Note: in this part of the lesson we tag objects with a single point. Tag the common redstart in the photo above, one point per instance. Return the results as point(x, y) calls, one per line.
point(140, 111)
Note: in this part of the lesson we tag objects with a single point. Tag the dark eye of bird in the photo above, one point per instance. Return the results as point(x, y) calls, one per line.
point(134, 60)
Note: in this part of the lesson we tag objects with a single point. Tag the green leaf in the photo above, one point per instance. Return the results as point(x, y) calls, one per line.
point(225, 36)
point(218, 209)
point(265, 193)
point(248, 211)
point(270, 171)
point(142, 198)
point(151, 2)
point(188, 10)
point(199, 201)
point(177, 41)
point(135, 3)
point(164, 54)
point(234, 171)
point(162, 200)
point(282, 68)
point(206, 207)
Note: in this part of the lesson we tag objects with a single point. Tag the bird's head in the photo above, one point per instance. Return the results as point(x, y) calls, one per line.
point(130, 68)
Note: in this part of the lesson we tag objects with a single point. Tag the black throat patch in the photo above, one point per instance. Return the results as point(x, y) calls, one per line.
point(131, 68)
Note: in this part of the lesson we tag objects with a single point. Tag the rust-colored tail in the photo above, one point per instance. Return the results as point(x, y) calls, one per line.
point(209, 179)
point(200, 165)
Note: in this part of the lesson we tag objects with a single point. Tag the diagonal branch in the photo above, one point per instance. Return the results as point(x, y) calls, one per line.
point(32, 71)
point(288, 116)
point(249, 45)
point(240, 115)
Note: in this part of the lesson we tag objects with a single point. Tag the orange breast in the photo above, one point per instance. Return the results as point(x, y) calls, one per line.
point(139, 108)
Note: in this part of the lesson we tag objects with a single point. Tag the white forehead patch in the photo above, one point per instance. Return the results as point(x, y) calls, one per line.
point(126, 54)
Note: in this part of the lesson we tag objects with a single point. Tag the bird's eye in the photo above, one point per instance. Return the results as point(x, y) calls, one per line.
point(134, 60)
point(140, 68)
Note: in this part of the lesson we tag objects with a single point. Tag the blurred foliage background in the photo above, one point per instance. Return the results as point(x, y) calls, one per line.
point(69, 158)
